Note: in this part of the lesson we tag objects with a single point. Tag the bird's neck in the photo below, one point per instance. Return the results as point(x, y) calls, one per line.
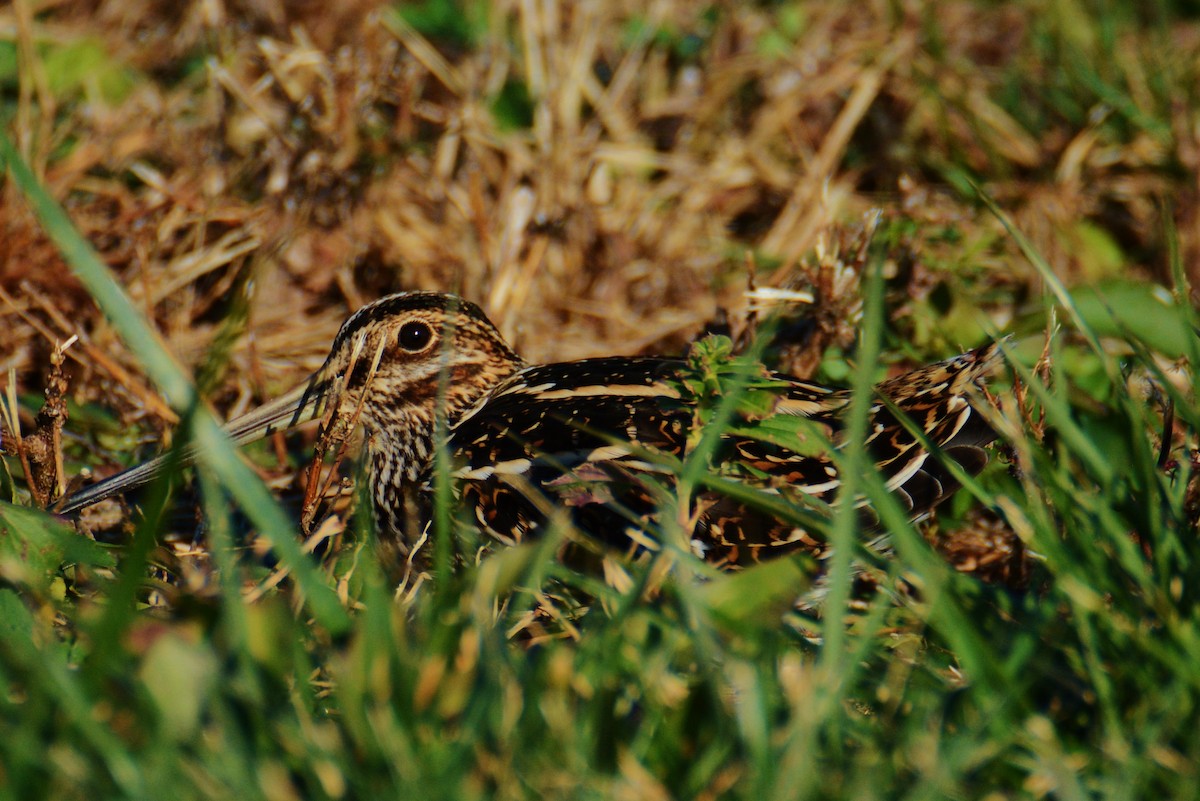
point(401, 437)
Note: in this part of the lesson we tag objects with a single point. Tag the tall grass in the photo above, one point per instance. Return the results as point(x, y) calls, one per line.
point(1083, 685)
point(1083, 688)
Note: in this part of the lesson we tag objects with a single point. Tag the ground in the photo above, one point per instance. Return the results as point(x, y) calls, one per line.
point(607, 178)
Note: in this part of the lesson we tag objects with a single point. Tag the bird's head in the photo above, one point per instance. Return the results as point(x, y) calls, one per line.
point(407, 358)
point(395, 366)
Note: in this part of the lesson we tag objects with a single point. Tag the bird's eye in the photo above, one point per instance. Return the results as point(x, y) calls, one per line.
point(415, 337)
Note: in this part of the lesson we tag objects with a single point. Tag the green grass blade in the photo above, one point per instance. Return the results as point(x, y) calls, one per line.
point(215, 448)
point(854, 461)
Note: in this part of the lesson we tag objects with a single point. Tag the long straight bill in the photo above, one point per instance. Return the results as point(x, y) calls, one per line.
point(301, 405)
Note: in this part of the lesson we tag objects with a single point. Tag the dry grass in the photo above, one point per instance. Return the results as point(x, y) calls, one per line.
point(610, 177)
point(314, 163)
point(602, 178)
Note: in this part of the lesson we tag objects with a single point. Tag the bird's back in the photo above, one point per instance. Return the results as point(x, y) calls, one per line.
point(604, 439)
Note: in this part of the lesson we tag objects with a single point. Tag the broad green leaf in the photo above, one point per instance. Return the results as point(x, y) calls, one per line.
point(758, 592)
point(33, 546)
point(16, 625)
point(1147, 311)
point(180, 676)
point(1096, 250)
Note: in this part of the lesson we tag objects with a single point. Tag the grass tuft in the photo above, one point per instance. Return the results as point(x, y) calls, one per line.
point(218, 187)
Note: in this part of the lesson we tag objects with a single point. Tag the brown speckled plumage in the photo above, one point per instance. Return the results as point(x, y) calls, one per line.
point(596, 437)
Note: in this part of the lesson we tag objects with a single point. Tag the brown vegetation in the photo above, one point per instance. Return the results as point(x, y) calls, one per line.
point(594, 174)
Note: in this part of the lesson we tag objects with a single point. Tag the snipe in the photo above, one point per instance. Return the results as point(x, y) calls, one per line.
point(595, 440)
